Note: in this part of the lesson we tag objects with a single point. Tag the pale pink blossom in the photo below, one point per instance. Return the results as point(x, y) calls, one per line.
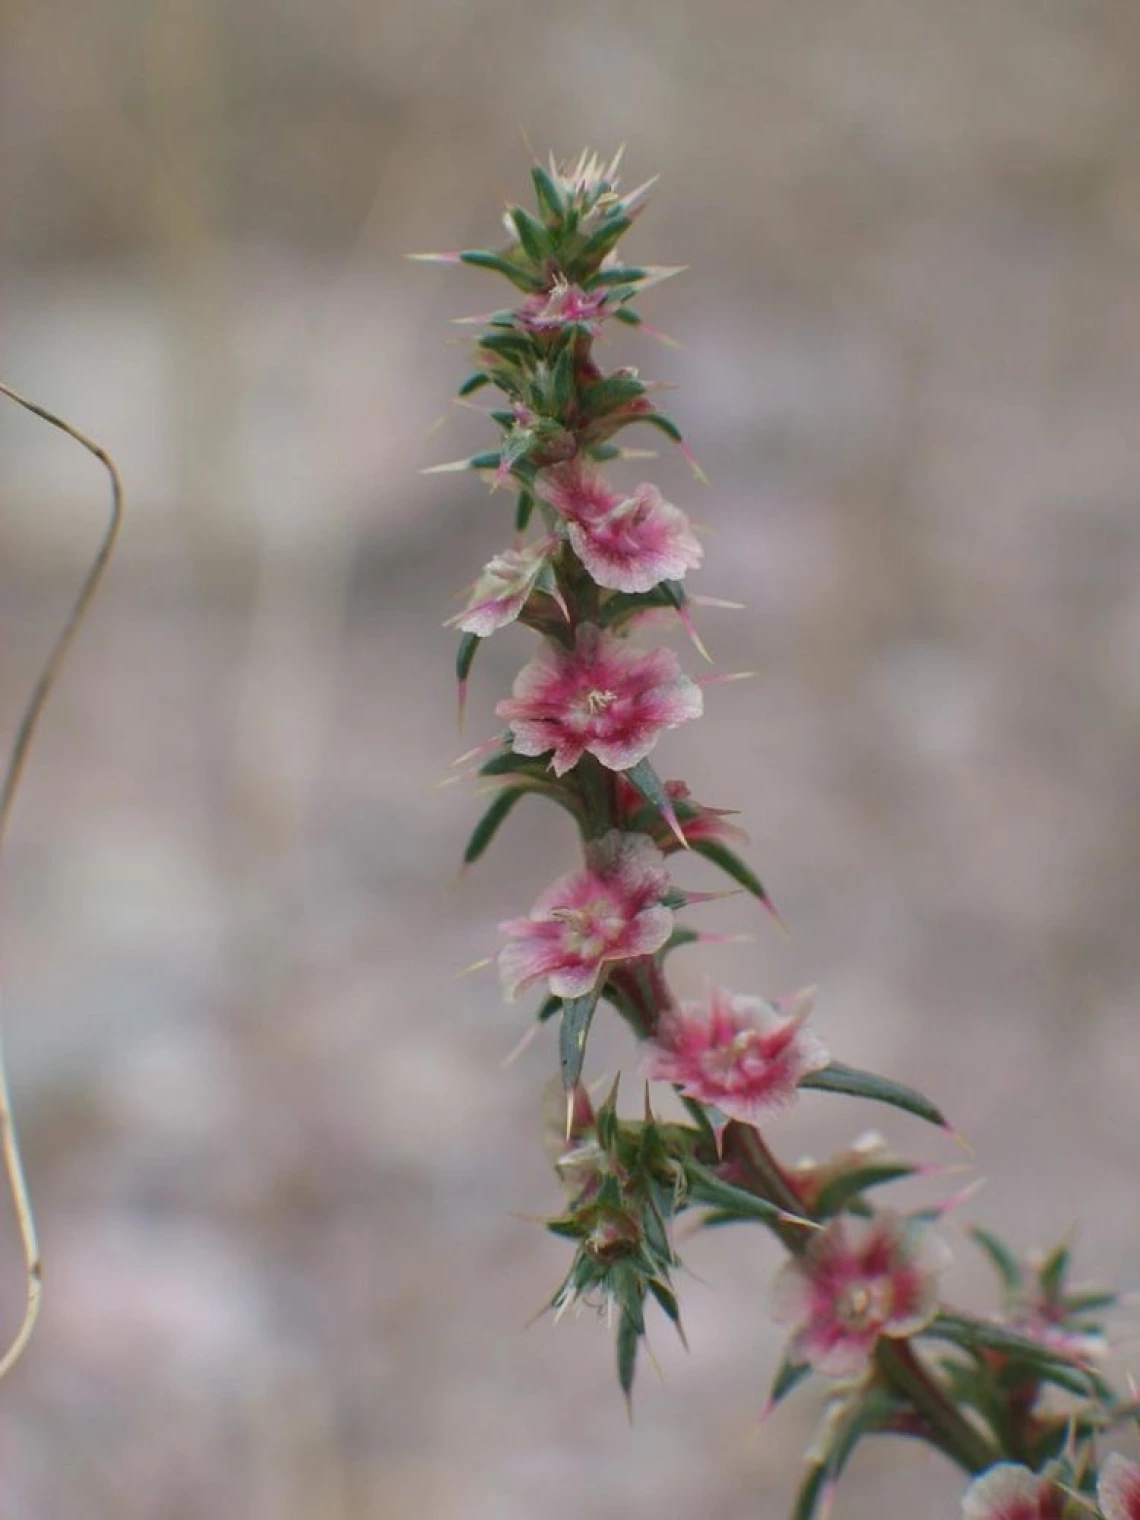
point(610, 911)
point(502, 590)
point(1118, 1491)
point(1011, 1492)
point(563, 305)
point(627, 543)
point(857, 1279)
point(741, 1054)
point(603, 697)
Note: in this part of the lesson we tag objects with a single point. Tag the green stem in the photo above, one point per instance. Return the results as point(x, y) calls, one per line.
point(950, 1429)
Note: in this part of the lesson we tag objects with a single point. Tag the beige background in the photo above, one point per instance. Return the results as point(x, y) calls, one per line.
point(284, 1182)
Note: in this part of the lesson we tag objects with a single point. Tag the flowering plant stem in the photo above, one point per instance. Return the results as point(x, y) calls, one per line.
point(860, 1288)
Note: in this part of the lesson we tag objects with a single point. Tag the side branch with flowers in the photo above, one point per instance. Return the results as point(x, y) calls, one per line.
point(1015, 1400)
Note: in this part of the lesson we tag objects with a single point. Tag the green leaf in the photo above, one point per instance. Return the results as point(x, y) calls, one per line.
point(550, 1007)
point(732, 865)
point(624, 274)
point(681, 936)
point(627, 315)
point(628, 1336)
point(789, 1375)
point(664, 424)
point(707, 1188)
point(482, 258)
point(607, 395)
point(474, 383)
point(465, 656)
point(1002, 1259)
point(666, 1298)
point(975, 1334)
point(701, 1119)
point(547, 194)
point(859, 1180)
point(491, 821)
point(1090, 1300)
point(508, 344)
point(577, 1014)
point(532, 235)
point(1053, 1270)
point(652, 788)
point(562, 380)
point(595, 248)
point(523, 510)
point(838, 1078)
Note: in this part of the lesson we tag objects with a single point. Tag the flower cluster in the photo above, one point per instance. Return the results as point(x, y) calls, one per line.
point(592, 559)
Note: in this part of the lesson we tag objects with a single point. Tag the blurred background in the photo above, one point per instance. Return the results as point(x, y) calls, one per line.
point(287, 1190)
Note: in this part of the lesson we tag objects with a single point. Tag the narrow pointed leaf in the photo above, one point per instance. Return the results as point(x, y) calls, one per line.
point(975, 1334)
point(465, 656)
point(562, 380)
point(707, 1187)
point(546, 193)
point(665, 424)
point(789, 1375)
point(838, 1078)
point(531, 235)
point(681, 935)
point(607, 395)
point(482, 258)
point(628, 1336)
point(732, 865)
point(624, 275)
point(1002, 1259)
point(474, 383)
point(599, 243)
point(852, 1183)
point(1052, 1273)
point(652, 788)
point(523, 510)
point(491, 821)
point(577, 1014)
point(666, 1298)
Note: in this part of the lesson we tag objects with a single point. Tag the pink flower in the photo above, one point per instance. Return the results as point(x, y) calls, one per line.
point(627, 543)
point(1010, 1492)
point(563, 306)
point(739, 1053)
point(858, 1279)
point(1118, 1491)
point(603, 697)
point(611, 911)
point(501, 591)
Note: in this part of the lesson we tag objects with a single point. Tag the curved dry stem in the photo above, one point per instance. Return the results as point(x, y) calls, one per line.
point(9, 1139)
